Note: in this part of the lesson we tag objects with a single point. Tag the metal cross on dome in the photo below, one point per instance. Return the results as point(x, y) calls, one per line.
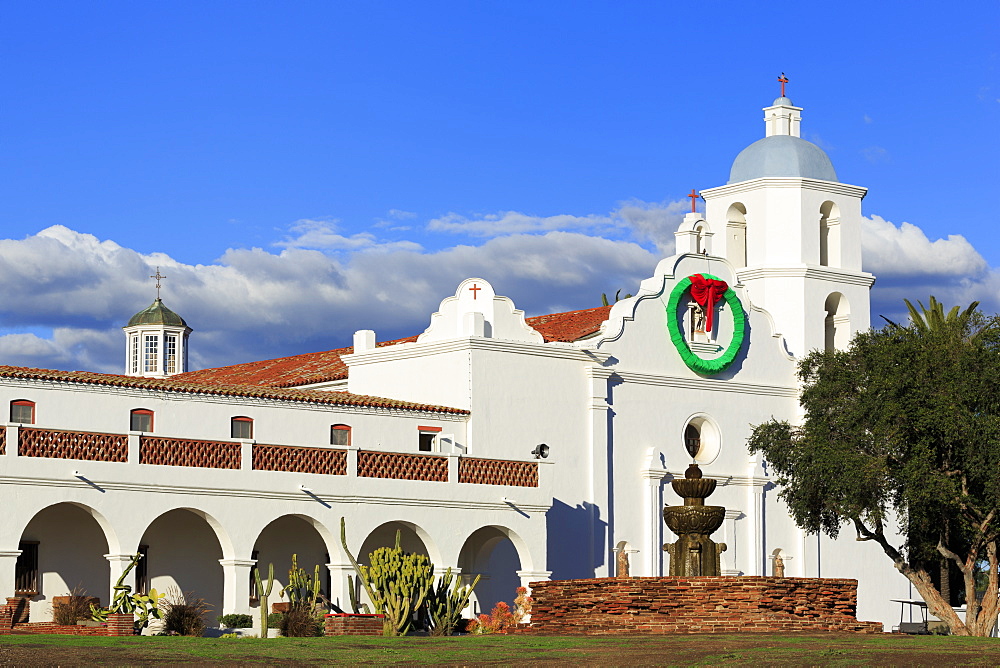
point(783, 80)
point(158, 276)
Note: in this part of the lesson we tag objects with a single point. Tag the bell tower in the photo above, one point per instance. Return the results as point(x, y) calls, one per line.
point(793, 233)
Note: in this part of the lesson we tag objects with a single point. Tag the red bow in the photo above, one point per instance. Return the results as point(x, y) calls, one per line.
point(706, 292)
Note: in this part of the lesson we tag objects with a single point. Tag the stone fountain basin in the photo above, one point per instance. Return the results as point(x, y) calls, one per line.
point(694, 519)
point(693, 488)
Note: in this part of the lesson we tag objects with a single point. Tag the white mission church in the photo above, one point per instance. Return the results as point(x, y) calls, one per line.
point(211, 472)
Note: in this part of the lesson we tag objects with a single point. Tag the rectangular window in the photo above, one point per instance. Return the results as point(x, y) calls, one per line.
point(242, 428)
point(134, 348)
point(142, 571)
point(26, 569)
point(340, 434)
point(427, 438)
point(151, 353)
point(171, 353)
point(22, 412)
point(142, 420)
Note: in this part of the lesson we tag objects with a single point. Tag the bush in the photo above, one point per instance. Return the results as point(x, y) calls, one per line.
point(301, 622)
point(274, 620)
point(77, 608)
point(235, 621)
point(184, 613)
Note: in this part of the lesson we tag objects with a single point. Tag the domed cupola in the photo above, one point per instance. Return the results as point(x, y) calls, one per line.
point(156, 340)
point(782, 153)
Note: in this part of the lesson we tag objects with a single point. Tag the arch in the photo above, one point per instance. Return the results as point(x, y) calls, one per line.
point(69, 542)
point(829, 234)
point(736, 235)
point(496, 553)
point(412, 538)
point(296, 534)
point(702, 438)
point(184, 547)
point(837, 324)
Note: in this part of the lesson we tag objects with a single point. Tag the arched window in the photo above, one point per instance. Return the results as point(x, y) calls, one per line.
point(22, 411)
point(837, 324)
point(699, 241)
point(141, 420)
point(736, 235)
point(340, 434)
point(241, 427)
point(829, 235)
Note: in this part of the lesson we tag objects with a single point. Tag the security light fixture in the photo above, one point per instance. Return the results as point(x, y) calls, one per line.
point(541, 451)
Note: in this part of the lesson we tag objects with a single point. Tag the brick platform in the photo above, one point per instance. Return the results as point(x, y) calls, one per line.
point(353, 625)
point(121, 625)
point(696, 605)
point(46, 627)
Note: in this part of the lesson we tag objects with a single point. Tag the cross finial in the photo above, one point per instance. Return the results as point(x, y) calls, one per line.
point(158, 276)
point(783, 80)
point(694, 200)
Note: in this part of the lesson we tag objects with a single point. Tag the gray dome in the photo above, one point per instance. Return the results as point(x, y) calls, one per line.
point(782, 156)
point(782, 102)
point(156, 314)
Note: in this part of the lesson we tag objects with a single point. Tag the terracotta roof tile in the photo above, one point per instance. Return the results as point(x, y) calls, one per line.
point(327, 365)
point(221, 389)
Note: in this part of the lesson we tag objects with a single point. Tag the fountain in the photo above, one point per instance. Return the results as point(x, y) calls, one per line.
point(694, 553)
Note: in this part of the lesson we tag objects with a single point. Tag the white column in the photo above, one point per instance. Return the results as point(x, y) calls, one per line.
point(339, 587)
point(600, 465)
point(10, 447)
point(8, 559)
point(654, 522)
point(236, 586)
point(119, 562)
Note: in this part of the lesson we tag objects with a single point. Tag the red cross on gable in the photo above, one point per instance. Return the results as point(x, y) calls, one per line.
point(475, 290)
point(694, 201)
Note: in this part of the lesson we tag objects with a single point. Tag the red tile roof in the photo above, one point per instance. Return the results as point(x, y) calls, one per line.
point(327, 366)
point(219, 389)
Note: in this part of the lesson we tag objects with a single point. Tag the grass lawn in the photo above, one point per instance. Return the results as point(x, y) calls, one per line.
point(755, 649)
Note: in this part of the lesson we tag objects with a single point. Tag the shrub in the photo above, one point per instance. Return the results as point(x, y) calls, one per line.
point(501, 618)
point(184, 613)
point(301, 622)
point(234, 621)
point(274, 620)
point(77, 608)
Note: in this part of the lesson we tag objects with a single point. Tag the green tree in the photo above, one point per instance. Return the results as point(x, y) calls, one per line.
point(904, 426)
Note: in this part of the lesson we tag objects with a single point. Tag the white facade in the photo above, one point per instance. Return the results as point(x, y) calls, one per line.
point(615, 403)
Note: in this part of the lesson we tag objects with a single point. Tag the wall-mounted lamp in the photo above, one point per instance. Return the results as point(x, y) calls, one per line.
point(305, 489)
point(77, 474)
point(541, 451)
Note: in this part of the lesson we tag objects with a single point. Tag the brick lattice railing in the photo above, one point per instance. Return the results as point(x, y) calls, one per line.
point(402, 466)
point(187, 452)
point(497, 472)
point(3, 440)
point(299, 460)
point(72, 445)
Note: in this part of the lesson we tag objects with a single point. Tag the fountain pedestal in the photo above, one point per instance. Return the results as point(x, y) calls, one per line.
point(695, 553)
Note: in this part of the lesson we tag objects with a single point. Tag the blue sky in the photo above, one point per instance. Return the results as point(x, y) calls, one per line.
point(305, 169)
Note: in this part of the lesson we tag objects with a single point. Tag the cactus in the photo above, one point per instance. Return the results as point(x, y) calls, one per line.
point(397, 583)
point(263, 594)
point(352, 591)
point(125, 602)
point(445, 605)
point(303, 590)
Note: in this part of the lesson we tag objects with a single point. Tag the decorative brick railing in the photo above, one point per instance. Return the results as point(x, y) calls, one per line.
point(3, 441)
point(402, 466)
point(72, 445)
point(497, 472)
point(186, 452)
point(299, 460)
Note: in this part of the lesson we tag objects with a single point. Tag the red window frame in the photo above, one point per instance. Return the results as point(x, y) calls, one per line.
point(140, 411)
point(338, 428)
point(240, 419)
point(22, 402)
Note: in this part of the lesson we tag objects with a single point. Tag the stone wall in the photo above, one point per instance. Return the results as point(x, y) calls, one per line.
point(353, 625)
point(696, 605)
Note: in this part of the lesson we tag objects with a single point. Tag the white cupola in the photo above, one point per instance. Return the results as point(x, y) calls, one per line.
point(156, 342)
point(792, 231)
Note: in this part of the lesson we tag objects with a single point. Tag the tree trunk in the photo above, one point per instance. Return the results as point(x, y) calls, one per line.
point(936, 604)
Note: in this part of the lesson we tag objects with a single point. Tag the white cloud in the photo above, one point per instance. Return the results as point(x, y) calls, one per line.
point(876, 155)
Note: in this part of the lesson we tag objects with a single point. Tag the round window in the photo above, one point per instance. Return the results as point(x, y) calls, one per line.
point(701, 439)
